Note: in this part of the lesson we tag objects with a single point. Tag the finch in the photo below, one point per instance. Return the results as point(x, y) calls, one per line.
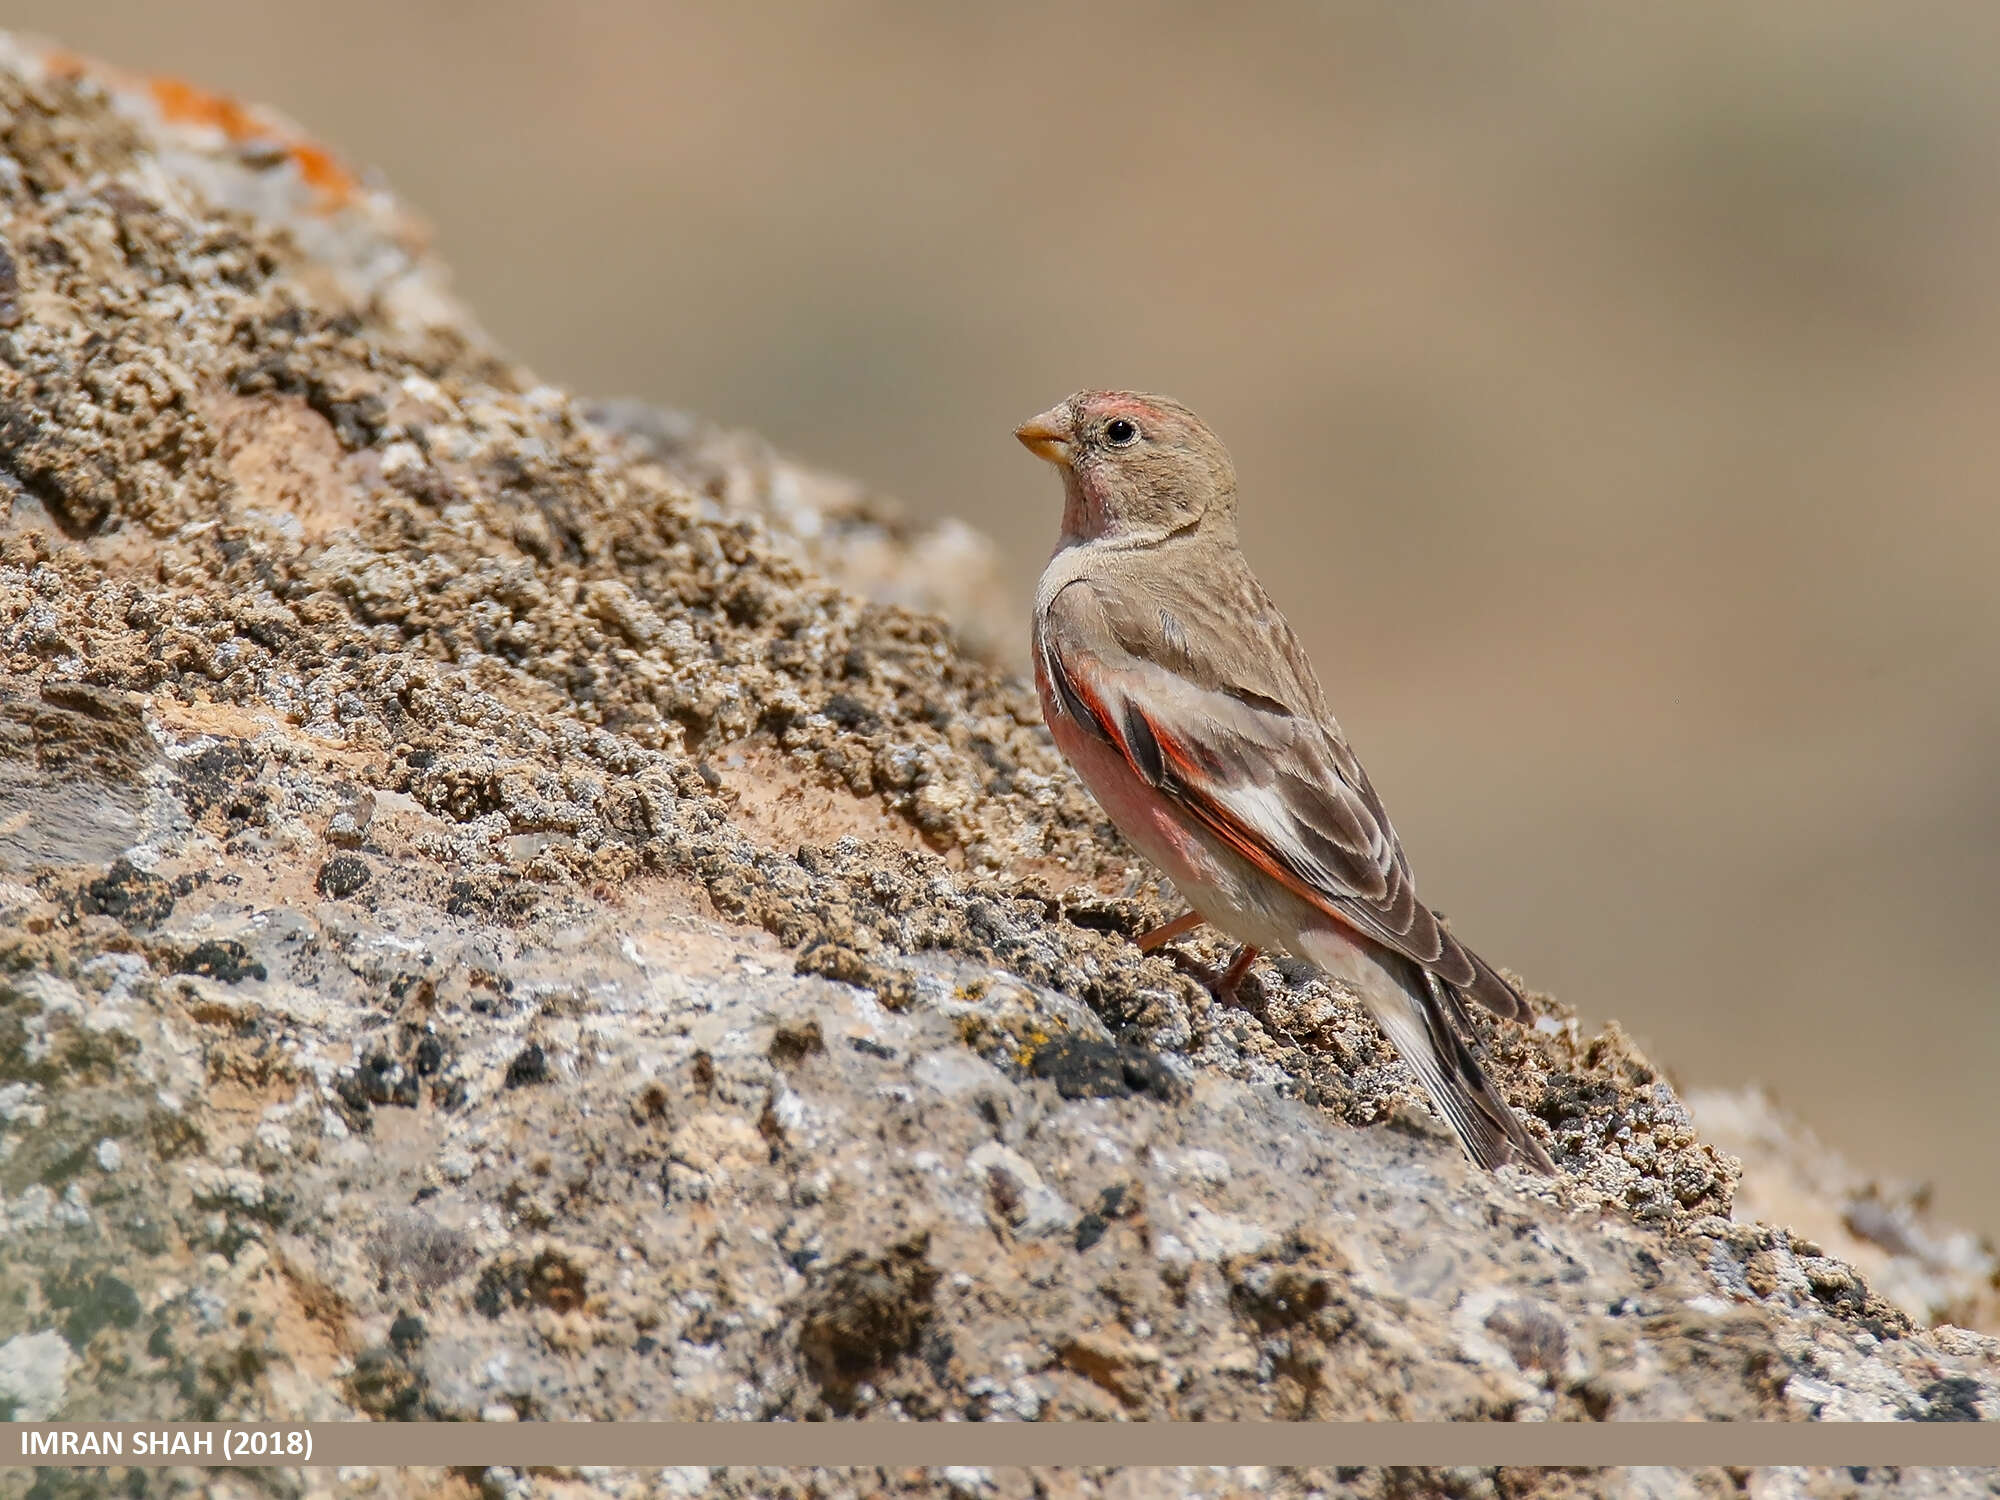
point(1177, 691)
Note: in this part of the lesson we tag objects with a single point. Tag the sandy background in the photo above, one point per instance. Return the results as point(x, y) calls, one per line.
point(1614, 401)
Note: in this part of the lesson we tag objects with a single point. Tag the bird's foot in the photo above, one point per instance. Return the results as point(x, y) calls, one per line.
point(1225, 986)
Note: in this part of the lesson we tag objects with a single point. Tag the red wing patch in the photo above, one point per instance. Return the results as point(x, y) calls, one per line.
point(1178, 772)
point(1079, 702)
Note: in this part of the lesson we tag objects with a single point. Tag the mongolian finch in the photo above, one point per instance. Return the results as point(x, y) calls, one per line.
point(1182, 698)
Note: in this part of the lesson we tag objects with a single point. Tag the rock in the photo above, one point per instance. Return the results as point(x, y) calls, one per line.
point(1885, 1231)
point(489, 930)
point(863, 541)
point(34, 1371)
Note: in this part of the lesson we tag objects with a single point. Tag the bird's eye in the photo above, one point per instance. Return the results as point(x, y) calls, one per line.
point(1121, 433)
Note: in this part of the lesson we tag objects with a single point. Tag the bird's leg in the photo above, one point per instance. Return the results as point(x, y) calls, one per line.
point(1225, 987)
point(1167, 932)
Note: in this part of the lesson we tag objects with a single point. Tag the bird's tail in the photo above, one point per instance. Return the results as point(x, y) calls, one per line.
point(1414, 1008)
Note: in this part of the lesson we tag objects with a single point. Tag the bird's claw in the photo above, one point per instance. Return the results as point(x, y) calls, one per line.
point(1226, 986)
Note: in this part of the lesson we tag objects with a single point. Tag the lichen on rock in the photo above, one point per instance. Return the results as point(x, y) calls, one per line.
point(489, 927)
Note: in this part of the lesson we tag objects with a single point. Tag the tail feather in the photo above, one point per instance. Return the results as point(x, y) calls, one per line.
point(1492, 991)
point(1415, 1008)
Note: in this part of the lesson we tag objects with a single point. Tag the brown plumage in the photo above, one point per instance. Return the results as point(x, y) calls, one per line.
point(1178, 691)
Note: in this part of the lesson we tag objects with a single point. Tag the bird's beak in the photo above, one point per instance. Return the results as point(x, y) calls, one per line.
point(1048, 436)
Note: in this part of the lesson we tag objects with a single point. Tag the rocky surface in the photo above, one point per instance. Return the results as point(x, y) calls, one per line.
point(859, 539)
point(1885, 1230)
point(504, 915)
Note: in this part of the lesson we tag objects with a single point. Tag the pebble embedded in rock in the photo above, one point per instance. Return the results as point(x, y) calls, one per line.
point(343, 876)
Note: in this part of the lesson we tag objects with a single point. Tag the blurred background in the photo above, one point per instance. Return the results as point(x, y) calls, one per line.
point(1616, 395)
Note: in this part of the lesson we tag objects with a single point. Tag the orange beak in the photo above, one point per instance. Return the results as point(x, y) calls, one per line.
point(1048, 436)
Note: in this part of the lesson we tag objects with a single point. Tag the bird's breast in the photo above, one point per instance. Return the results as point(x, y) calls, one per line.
point(1149, 820)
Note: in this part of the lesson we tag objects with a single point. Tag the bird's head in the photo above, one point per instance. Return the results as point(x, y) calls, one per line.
point(1133, 466)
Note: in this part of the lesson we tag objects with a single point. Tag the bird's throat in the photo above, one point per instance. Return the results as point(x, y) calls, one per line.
point(1083, 513)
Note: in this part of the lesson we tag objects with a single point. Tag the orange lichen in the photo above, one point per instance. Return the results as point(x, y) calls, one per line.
point(181, 103)
point(321, 171)
point(184, 104)
point(60, 64)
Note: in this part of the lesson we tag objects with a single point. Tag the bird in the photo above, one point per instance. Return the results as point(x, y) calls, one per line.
point(1177, 691)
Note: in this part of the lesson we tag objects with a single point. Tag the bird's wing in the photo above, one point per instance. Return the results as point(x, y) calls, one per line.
point(1265, 773)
